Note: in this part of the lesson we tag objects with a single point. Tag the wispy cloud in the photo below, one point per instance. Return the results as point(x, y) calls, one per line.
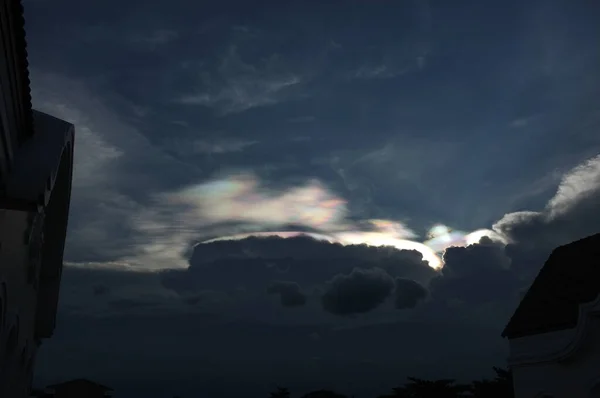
point(570, 214)
point(111, 158)
point(242, 93)
point(302, 119)
point(210, 147)
point(577, 185)
point(111, 222)
point(222, 146)
point(153, 39)
point(379, 72)
point(237, 86)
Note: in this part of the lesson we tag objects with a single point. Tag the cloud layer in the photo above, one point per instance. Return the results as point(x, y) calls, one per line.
point(362, 290)
point(200, 121)
point(408, 293)
point(289, 293)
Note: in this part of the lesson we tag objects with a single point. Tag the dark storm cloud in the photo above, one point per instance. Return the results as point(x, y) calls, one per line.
point(131, 304)
point(408, 293)
point(475, 274)
point(254, 262)
point(362, 290)
point(100, 290)
point(133, 320)
point(488, 278)
point(115, 290)
point(289, 293)
point(210, 298)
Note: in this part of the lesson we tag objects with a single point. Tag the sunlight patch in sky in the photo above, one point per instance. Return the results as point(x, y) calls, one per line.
point(440, 237)
point(389, 236)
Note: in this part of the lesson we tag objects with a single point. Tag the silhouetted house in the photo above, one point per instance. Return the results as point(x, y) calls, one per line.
point(36, 159)
point(554, 335)
point(80, 388)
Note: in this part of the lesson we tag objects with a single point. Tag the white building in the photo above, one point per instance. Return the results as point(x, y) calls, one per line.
point(554, 335)
point(36, 159)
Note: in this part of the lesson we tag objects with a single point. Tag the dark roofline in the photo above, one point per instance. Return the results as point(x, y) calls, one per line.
point(568, 279)
point(14, 76)
point(23, 61)
point(17, 27)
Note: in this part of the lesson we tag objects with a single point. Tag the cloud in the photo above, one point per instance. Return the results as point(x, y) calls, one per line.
point(302, 119)
point(96, 203)
point(109, 289)
point(305, 260)
point(207, 298)
point(289, 293)
point(207, 148)
point(236, 86)
point(111, 203)
point(120, 213)
point(100, 290)
point(224, 146)
point(577, 187)
point(152, 40)
point(114, 290)
point(379, 72)
point(374, 232)
point(408, 293)
point(487, 278)
point(246, 268)
point(475, 274)
point(569, 215)
point(360, 291)
point(241, 198)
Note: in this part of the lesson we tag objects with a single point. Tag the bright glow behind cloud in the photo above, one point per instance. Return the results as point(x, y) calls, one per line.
point(383, 239)
point(239, 205)
point(442, 237)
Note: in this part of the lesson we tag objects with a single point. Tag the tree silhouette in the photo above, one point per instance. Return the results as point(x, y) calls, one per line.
point(323, 394)
point(499, 387)
point(420, 388)
point(281, 393)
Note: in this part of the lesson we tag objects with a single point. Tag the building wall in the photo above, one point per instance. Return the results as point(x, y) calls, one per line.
point(33, 221)
point(35, 188)
point(18, 296)
point(15, 102)
point(573, 376)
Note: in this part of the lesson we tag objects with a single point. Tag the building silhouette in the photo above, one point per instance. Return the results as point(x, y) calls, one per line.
point(554, 335)
point(36, 163)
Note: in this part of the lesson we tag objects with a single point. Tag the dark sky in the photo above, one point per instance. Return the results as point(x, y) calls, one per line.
point(403, 136)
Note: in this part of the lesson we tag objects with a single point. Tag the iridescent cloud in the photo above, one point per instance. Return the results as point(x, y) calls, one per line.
point(239, 206)
point(241, 198)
